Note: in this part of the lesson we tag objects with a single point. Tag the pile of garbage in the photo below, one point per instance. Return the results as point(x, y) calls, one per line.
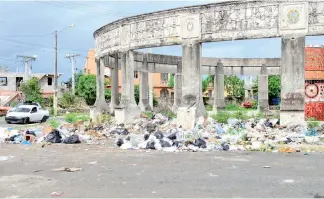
point(162, 133)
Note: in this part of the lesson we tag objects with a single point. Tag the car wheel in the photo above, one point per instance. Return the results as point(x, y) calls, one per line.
point(26, 121)
point(8, 122)
point(44, 119)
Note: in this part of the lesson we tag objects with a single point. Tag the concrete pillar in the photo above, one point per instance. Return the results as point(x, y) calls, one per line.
point(100, 85)
point(192, 105)
point(114, 85)
point(144, 88)
point(177, 87)
point(292, 80)
point(128, 108)
point(219, 100)
point(263, 99)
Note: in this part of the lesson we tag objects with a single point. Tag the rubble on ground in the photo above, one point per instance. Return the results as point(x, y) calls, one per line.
point(162, 133)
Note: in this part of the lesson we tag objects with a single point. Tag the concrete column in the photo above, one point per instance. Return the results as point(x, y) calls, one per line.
point(114, 85)
point(128, 109)
point(144, 88)
point(100, 86)
point(292, 80)
point(192, 105)
point(263, 99)
point(177, 87)
point(219, 100)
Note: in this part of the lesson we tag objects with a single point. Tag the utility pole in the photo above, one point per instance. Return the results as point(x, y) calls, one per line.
point(55, 77)
point(27, 60)
point(72, 59)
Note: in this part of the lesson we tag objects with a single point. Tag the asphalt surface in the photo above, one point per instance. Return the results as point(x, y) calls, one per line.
point(3, 123)
point(111, 172)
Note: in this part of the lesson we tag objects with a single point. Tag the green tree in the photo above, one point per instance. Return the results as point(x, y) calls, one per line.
point(31, 90)
point(171, 81)
point(107, 94)
point(67, 100)
point(274, 86)
point(76, 78)
point(234, 86)
point(86, 88)
point(136, 93)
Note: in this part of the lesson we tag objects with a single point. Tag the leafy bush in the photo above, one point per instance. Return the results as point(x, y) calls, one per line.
point(170, 114)
point(54, 123)
point(232, 107)
point(86, 88)
point(221, 117)
point(31, 89)
point(148, 114)
point(107, 94)
point(67, 100)
point(254, 104)
point(13, 104)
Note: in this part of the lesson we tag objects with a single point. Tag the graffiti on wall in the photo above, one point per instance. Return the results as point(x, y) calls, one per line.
point(314, 100)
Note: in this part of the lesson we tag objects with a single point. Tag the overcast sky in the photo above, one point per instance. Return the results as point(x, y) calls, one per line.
point(26, 28)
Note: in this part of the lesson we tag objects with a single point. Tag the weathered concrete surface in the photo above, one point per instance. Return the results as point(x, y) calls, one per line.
point(114, 85)
point(219, 100)
point(192, 105)
point(292, 80)
point(144, 88)
point(156, 174)
point(128, 108)
point(177, 87)
point(209, 23)
point(263, 94)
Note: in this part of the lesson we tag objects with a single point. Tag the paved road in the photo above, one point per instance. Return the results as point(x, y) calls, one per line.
point(115, 173)
point(4, 124)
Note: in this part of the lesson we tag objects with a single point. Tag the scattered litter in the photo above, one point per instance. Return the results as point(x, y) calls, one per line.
point(94, 162)
point(72, 169)
point(266, 167)
point(289, 181)
point(212, 175)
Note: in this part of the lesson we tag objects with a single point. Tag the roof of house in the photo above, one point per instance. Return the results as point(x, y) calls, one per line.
point(17, 74)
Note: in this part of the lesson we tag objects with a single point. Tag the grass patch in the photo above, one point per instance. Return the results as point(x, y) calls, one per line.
point(221, 117)
point(74, 117)
point(148, 114)
point(209, 107)
point(54, 123)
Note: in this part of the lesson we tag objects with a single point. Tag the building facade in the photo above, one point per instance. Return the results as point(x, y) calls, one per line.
point(10, 85)
point(160, 81)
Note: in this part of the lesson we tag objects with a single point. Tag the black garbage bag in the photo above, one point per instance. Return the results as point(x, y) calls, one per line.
point(150, 145)
point(172, 136)
point(200, 143)
point(159, 135)
point(54, 137)
point(165, 144)
point(30, 133)
point(73, 139)
point(11, 139)
point(119, 142)
point(114, 132)
point(124, 132)
point(146, 136)
point(225, 146)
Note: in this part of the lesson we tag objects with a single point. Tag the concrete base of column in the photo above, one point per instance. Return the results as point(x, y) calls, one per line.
point(263, 105)
point(144, 105)
point(126, 115)
point(95, 112)
point(102, 104)
point(292, 117)
point(187, 114)
point(219, 106)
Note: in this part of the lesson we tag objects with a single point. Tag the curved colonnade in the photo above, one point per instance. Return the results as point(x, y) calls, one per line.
point(190, 27)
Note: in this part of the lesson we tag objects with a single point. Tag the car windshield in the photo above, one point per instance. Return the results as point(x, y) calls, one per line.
point(23, 110)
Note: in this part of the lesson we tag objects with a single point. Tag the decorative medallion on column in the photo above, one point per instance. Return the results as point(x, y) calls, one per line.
point(190, 26)
point(293, 18)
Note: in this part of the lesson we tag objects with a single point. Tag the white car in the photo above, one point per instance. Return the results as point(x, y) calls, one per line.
point(27, 113)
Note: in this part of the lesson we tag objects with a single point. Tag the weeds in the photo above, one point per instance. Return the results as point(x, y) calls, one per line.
point(221, 117)
point(74, 117)
point(54, 123)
